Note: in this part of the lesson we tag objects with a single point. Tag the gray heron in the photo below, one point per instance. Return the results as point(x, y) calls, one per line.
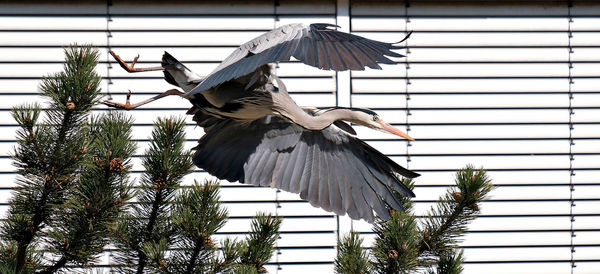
point(256, 134)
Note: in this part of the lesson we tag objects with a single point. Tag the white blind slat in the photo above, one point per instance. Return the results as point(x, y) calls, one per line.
point(487, 85)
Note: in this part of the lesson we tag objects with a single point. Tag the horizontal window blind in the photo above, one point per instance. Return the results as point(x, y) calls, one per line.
point(511, 88)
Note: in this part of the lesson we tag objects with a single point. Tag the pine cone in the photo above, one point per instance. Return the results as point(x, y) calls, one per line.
point(116, 165)
point(208, 241)
point(458, 196)
point(163, 264)
point(426, 235)
point(70, 105)
point(100, 162)
point(393, 254)
point(159, 183)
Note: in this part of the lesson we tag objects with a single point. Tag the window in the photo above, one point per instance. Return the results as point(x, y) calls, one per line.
point(513, 88)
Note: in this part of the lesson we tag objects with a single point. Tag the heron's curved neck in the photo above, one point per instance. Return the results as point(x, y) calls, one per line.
point(321, 121)
point(286, 107)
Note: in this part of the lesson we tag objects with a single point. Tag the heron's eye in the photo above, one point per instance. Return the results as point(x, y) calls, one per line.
point(375, 118)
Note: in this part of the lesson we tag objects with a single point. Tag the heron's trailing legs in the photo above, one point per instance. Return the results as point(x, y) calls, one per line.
point(129, 106)
point(130, 68)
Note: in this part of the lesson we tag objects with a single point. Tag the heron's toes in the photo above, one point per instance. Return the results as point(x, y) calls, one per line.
point(125, 106)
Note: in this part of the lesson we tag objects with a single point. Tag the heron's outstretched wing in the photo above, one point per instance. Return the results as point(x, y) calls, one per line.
point(329, 168)
point(317, 45)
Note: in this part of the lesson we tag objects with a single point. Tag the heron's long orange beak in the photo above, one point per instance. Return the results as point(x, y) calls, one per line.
point(387, 127)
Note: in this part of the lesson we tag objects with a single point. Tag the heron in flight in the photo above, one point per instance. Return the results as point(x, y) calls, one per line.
point(255, 133)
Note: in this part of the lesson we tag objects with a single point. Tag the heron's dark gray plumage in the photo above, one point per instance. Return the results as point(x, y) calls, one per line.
point(256, 134)
point(329, 168)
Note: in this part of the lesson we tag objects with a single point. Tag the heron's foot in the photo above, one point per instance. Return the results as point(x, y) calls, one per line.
point(126, 106)
point(129, 106)
point(118, 105)
point(131, 68)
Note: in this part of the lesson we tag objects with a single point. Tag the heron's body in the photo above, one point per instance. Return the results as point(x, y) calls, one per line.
point(329, 168)
point(257, 134)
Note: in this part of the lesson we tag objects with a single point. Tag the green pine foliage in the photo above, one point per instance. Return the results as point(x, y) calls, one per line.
point(352, 258)
point(80, 230)
point(405, 244)
point(256, 250)
point(170, 229)
point(397, 244)
point(460, 205)
point(144, 232)
point(198, 214)
point(74, 197)
point(190, 248)
point(50, 154)
point(8, 262)
point(449, 262)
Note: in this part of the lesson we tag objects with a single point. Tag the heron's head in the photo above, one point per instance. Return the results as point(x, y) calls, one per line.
point(370, 119)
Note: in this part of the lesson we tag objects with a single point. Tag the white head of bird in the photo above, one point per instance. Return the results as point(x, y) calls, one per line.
point(371, 119)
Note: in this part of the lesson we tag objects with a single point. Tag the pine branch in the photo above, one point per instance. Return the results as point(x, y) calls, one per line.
point(449, 219)
point(226, 263)
point(449, 262)
point(47, 158)
point(8, 255)
point(148, 225)
point(155, 254)
point(351, 258)
point(81, 228)
point(396, 240)
point(396, 245)
point(403, 246)
point(198, 214)
point(256, 250)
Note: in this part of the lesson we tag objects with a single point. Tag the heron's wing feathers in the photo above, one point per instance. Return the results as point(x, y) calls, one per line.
point(317, 45)
point(328, 168)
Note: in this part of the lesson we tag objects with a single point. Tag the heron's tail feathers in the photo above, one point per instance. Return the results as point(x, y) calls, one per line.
point(179, 75)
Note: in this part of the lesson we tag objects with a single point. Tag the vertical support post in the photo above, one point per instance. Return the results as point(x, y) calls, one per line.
point(407, 81)
point(344, 85)
point(571, 142)
point(108, 37)
point(276, 5)
point(343, 95)
point(108, 78)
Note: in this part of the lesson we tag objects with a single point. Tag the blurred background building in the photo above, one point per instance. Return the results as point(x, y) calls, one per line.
point(510, 86)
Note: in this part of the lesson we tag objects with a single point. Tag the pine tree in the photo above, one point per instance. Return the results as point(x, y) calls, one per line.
point(198, 215)
point(170, 228)
point(144, 233)
point(74, 195)
point(397, 242)
point(256, 250)
point(403, 244)
point(80, 229)
point(64, 198)
point(352, 258)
